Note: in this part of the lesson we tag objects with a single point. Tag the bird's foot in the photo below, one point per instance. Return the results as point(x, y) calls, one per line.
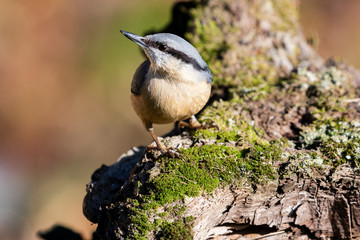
point(171, 152)
point(195, 124)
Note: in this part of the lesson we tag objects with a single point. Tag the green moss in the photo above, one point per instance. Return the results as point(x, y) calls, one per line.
point(233, 126)
point(257, 71)
point(221, 136)
point(178, 210)
point(178, 230)
point(140, 224)
point(211, 166)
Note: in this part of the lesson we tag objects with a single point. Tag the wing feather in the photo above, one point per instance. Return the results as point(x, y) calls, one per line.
point(139, 77)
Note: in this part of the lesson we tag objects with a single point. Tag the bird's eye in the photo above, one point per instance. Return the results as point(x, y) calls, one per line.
point(162, 47)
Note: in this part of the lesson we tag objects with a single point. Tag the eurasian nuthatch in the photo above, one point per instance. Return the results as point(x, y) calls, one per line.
point(173, 84)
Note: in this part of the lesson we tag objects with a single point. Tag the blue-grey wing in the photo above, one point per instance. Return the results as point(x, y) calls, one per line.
point(139, 77)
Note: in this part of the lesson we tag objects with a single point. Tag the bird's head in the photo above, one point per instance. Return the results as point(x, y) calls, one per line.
point(170, 53)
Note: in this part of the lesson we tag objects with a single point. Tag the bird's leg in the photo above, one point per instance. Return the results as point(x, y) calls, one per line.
point(194, 124)
point(165, 151)
point(158, 144)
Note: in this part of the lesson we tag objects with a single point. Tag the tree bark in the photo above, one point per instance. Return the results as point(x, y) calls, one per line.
point(302, 112)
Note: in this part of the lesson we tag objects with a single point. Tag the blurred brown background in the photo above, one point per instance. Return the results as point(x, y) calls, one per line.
point(65, 73)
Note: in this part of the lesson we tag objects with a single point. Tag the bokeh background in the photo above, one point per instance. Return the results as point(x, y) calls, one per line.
point(65, 73)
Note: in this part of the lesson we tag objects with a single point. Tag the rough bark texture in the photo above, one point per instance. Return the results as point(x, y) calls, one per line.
point(284, 163)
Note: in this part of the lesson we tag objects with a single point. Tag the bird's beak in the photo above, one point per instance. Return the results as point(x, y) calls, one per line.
point(135, 38)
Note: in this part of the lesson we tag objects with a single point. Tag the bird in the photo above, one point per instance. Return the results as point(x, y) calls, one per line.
point(172, 84)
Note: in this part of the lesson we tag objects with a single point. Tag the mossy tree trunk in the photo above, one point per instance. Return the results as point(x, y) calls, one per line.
point(284, 163)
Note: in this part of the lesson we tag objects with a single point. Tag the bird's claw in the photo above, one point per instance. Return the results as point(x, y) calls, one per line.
point(208, 126)
point(198, 125)
point(171, 152)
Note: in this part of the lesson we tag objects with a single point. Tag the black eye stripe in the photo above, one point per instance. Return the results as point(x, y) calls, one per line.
point(154, 44)
point(176, 53)
point(185, 58)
